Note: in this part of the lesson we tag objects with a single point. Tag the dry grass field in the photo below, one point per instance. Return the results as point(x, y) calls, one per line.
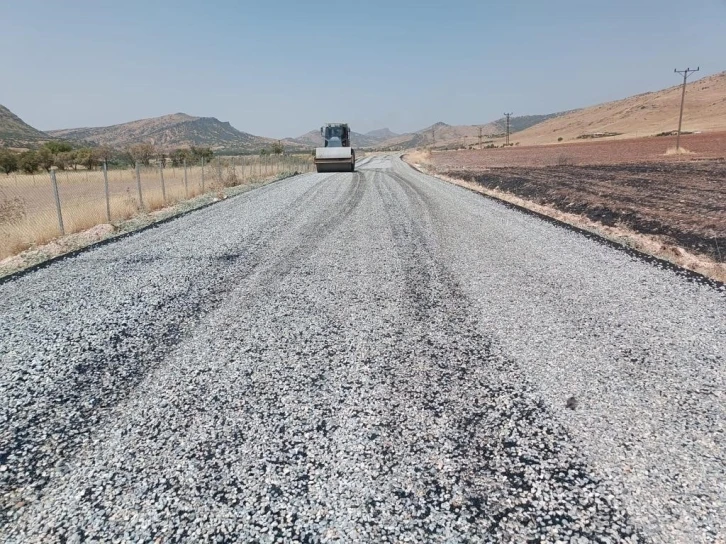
point(640, 115)
point(28, 215)
point(637, 150)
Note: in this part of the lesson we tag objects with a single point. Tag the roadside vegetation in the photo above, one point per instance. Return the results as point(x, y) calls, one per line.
point(166, 179)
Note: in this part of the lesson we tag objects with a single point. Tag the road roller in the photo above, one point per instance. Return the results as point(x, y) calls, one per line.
point(336, 155)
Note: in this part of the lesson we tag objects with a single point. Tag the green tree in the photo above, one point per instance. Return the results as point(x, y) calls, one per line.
point(178, 156)
point(8, 161)
point(66, 159)
point(105, 154)
point(199, 153)
point(277, 148)
point(264, 153)
point(86, 157)
point(45, 158)
point(29, 162)
point(142, 153)
point(55, 147)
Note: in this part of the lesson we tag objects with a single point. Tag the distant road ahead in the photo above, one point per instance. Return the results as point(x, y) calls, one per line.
point(368, 357)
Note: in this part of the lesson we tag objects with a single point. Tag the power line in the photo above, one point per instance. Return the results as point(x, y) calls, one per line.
point(685, 73)
point(507, 115)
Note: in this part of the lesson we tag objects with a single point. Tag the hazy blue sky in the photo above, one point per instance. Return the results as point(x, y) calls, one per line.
point(281, 68)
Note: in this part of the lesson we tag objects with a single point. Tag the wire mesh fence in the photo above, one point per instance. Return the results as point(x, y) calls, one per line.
point(37, 208)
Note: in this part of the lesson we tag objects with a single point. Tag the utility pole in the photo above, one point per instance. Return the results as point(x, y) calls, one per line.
point(685, 73)
point(479, 137)
point(507, 115)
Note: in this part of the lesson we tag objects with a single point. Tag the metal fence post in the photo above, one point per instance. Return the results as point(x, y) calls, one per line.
point(138, 186)
point(163, 185)
point(186, 184)
point(108, 200)
point(202, 174)
point(57, 202)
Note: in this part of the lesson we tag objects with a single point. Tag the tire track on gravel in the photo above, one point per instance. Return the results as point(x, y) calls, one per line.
point(65, 412)
point(513, 471)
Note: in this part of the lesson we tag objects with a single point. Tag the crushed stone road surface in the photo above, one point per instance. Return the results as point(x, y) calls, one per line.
point(375, 356)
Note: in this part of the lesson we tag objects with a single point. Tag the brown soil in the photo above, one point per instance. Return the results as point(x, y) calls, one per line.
point(665, 201)
point(682, 204)
point(654, 149)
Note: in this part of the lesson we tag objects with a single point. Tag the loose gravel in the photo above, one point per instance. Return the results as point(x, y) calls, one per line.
point(374, 357)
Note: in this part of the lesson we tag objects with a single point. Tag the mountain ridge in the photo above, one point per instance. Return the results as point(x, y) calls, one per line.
point(14, 132)
point(167, 132)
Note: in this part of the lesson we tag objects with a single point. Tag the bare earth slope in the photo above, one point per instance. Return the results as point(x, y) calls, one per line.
point(641, 115)
point(14, 132)
point(168, 131)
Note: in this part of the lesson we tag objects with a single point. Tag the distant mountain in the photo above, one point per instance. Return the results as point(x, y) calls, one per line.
point(14, 132)
point(314, 139)
point(168, 132)
point(523, 122)
point(442, 135)
point(381, 134)
point(438, 135)
point(310, 139)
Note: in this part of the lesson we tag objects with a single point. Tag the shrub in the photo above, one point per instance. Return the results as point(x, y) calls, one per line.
point(8, 161)
point(178, 156)
point(564, 160)
point(29, 162)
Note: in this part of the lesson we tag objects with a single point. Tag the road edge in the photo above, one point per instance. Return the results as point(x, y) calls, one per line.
point(690, 275)
point(115, 238)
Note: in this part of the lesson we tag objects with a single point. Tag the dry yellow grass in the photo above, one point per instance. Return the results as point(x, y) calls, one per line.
point(419, 157)
point(28, 215)
point(641, 115)
point(678, 151)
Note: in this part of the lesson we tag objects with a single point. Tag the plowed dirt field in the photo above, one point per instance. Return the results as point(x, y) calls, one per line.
point(680, 199)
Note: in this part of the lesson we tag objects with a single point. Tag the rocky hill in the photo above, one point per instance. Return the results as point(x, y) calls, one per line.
point(168, 132)
point(14, 132)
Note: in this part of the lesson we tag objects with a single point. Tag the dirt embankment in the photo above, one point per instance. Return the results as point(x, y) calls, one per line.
point(673, 207)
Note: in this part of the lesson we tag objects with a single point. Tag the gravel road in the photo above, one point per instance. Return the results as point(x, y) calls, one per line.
point(375, 357)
